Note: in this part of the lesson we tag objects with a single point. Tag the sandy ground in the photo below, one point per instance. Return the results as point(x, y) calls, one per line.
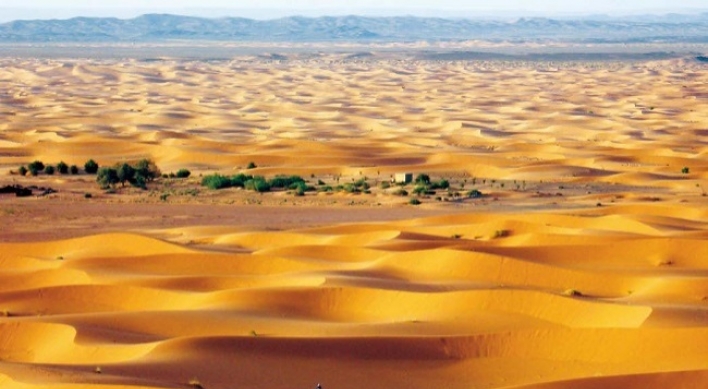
point(584, 265)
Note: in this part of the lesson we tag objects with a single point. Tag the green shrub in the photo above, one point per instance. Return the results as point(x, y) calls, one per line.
point(385, 185)
point(62, 168)
point(258, 184)
point(281, 181)
point(239, 180)
point(474, 193)
point(49, 169)
point(251, 165)
point(442, 184)
point(216, 181)
point(23, 171)
point(91, 167)
point(420, 190)
point(183, 173)
point(414, 201)
point(685, 170)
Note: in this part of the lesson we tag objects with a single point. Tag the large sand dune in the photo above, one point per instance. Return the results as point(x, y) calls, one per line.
point(583, 267)
point(371, 309)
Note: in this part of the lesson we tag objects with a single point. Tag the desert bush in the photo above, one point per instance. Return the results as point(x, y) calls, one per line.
point(442, 184)
point(414, 201)
point(361, 184)
point(183, 173)
point(22, 171)
point(501, 233)
point(385, 185)
point(685, 170)
point(216, 181)
point(401, 192)
point(239, 180)
point(258, 184)
point(281, 181)
point(251, 165)
point(474, 194)
point(62, 168)
point(49, 169)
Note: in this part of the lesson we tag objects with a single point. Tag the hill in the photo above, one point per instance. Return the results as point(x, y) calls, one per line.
point(164, 27)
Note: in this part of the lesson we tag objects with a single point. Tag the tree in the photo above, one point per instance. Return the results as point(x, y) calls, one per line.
point(107, 177)
point(125, 173)
point(147, 169)
point(35, 167)
point(62, 168)
point(23, 171)
point(91, 167)
point(74, 169)
point(49, 169)
point(422, 179)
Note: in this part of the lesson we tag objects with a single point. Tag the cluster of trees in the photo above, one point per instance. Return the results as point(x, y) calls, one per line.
point(257, 183)
point(36, 167)
point(138, 174)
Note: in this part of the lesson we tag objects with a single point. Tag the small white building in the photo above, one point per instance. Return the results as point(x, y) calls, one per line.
point(403, 178)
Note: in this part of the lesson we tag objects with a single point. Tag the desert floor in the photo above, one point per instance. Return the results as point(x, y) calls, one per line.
point(584, 264)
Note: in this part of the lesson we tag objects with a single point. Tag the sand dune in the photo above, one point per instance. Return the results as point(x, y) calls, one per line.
point(582, 266)
point(469, 312)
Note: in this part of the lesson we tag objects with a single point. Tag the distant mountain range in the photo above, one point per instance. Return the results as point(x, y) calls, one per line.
point(164, 27)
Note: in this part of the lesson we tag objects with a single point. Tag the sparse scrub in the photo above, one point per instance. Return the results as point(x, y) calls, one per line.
point(572, 293)
point(501, 234)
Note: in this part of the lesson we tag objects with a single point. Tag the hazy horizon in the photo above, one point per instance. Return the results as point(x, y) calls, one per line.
point(40, 9)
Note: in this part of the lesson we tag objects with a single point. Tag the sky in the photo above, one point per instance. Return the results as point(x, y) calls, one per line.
point(267, 9)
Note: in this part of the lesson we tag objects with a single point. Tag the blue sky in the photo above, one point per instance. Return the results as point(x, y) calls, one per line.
point(262, 9)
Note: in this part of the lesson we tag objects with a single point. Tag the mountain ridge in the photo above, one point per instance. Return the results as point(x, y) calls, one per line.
point(165, 27)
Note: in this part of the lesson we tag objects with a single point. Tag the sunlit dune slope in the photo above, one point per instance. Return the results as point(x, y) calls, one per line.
point(557, 301)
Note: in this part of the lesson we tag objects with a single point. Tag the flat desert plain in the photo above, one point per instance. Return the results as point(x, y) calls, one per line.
point(584, 264)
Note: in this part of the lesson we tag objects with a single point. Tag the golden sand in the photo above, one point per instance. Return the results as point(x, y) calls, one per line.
point(533, 286)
